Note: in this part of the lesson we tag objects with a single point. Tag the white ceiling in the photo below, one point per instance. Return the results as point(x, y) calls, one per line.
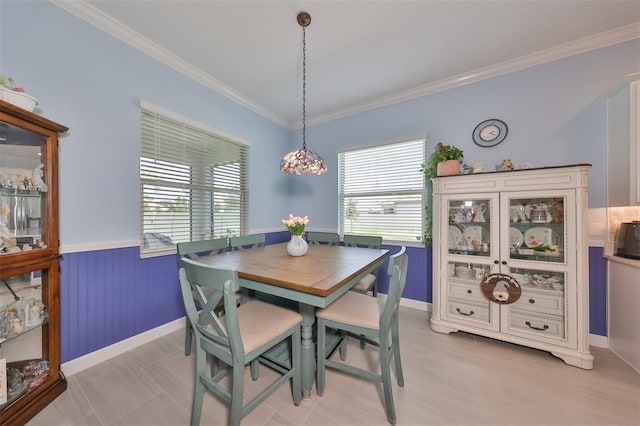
point(360, 54)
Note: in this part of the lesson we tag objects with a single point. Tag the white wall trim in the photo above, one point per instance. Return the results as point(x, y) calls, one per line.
point(104, 245)
point(94, 358)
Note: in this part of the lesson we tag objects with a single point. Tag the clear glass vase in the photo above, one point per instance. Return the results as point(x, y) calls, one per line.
point(297, 246)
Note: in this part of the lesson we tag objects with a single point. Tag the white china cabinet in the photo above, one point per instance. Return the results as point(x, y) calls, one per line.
point(510, 258)
point(30, 375)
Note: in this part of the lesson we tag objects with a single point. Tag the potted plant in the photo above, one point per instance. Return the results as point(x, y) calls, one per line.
point(447, 154)
point(444, 160)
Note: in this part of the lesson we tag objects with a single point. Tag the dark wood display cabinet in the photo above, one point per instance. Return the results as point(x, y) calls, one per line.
point(30, 375)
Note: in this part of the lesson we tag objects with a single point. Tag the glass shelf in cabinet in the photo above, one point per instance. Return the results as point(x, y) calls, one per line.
point(24, 331)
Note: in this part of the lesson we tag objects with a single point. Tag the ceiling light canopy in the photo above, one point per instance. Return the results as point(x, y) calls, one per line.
point(303, 161)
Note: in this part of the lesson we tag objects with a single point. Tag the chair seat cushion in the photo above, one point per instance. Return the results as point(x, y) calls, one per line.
point(366, 283)
point(260, 322)
point(354, 309)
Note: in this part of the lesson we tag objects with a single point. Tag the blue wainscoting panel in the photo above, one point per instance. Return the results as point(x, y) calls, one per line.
point(110, 295)
point(418, 285)
point(597, 291)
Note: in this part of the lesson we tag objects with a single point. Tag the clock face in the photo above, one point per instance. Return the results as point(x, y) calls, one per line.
point(490, 132)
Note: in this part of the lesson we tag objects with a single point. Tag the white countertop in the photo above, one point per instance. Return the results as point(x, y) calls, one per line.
point(626, 261)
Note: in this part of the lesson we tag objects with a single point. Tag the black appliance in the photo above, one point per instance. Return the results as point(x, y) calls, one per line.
point(627, 242)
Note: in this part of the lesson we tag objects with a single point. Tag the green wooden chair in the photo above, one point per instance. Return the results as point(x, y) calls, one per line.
point(245, 242)
point(235, 340)
point(191, 250)
point(326, 238)
point(360, 315)
point(370, 282)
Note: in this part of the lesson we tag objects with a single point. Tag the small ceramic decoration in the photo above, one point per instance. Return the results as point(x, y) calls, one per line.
point(558, 207)
point(528, 165)
point(507, 165)
point(478, 167)
point(479, 213)
point(37, 179)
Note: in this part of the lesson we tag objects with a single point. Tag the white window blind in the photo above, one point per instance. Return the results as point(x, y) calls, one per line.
point(193, 184)
point(381, 191)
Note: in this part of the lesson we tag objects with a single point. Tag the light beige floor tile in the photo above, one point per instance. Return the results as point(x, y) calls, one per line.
point(70, 407)
point(173, 374)
point(455, 379)
point(161, 410)
point(119, 390)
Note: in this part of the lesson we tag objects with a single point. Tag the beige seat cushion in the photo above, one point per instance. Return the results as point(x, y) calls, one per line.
point(354, 308)
point(260, 322)
point(365, 283)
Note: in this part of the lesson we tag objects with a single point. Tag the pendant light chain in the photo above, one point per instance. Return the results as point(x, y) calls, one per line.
point(304, 88)
point(303, 161)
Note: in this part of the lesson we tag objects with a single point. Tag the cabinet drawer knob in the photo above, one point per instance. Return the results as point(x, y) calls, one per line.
point(469, 291)
point(532, 300)
point(543, 328)
point(465, 313)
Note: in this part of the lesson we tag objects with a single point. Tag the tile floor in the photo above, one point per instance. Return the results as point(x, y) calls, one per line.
point(456, 379)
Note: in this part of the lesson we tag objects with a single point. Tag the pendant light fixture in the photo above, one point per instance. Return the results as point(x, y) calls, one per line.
point(303, 161)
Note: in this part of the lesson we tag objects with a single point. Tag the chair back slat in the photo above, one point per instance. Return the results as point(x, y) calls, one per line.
point(245, 242)
point(364, 241)
point(325, 238)
point(194, 249)
point(205, 286)
point(398, 265)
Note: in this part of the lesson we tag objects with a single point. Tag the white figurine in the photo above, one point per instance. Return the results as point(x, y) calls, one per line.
point(478, 167)
point(37, 179)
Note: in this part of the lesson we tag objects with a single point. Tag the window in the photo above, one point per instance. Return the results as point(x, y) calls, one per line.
point(193, 183)
point(381, 191)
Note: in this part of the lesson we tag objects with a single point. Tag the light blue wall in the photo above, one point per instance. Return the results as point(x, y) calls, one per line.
point(556, 115)
point(91, 82)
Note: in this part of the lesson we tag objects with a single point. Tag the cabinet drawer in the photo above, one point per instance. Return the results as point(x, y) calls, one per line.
point(544, 303)
point(530, 323)
point(466, 291)
point(468, 311)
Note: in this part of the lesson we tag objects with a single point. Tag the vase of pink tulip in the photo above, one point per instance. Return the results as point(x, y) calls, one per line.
point(297, 246)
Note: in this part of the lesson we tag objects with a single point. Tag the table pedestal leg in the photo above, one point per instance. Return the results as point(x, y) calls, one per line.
point(308, 313)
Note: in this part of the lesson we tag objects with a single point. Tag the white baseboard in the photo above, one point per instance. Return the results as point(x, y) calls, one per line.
point(94, 358)
point(599, 341)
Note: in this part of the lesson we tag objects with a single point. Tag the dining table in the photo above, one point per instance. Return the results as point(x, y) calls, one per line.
point(314, 280)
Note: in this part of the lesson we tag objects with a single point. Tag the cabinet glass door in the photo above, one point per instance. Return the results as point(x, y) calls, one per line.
point(23, 191)
point(469, 226)
point(24, 316)
point(537, 228)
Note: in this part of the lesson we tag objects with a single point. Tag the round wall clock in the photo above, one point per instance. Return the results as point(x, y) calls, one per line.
point(490, 132)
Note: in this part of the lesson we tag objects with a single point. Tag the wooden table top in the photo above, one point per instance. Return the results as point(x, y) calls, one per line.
point(320, 272)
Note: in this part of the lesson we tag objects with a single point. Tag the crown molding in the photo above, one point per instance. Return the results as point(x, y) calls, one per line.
point(90, 14)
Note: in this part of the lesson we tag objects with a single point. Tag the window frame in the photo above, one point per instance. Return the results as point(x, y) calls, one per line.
point(401, 195)
point(183, 168)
